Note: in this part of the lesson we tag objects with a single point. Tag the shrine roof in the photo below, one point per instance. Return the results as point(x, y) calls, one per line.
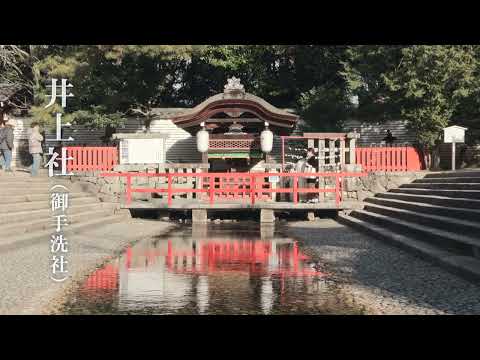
point(234, 101)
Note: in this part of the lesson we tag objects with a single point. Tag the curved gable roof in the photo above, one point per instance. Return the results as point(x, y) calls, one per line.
point(235, 100)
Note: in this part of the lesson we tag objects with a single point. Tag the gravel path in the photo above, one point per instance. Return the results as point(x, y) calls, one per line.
point(26, 287)
point(382, 278)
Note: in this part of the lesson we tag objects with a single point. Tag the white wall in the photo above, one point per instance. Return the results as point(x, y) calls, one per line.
point(181, 146)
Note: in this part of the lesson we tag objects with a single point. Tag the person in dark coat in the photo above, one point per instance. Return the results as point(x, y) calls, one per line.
point(312, 165)
point(6, 143)
point(389, 139)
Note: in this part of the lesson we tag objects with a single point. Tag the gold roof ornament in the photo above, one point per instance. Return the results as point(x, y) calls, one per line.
point(234, 85)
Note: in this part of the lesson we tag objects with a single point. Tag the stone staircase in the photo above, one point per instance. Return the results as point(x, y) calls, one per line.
point(437, 218)
point(25, 208)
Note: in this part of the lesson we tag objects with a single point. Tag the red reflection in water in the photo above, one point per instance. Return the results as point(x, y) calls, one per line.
point(105, 278)
point(234, 256)
point(209, 257)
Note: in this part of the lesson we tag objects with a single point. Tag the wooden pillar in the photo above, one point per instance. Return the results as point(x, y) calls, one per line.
point(352, 159)
point(311, 143)
point(321, 167)
point(321, 154)
point(267, 216)
point(199, 216)
point(342, 152)
point(205, 157)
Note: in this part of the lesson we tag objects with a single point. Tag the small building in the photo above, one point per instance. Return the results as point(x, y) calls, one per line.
point(234, 121)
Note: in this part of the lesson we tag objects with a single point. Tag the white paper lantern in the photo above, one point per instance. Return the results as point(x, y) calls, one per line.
point(266, 141)
point(202, 140)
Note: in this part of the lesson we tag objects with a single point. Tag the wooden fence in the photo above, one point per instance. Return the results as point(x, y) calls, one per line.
point(91, 158)
point(401, 158)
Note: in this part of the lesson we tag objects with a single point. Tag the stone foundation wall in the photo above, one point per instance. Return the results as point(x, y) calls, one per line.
point(361, 188)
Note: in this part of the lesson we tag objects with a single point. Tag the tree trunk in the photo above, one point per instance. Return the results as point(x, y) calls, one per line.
point(435, 155)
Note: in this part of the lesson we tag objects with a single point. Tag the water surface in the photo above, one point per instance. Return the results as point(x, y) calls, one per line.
point(238, 268)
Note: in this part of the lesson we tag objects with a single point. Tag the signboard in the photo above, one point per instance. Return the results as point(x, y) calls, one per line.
point(273, 179)
point(142, 151)
point(454, 134)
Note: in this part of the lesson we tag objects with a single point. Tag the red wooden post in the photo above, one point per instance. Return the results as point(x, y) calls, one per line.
point(337, 190)
point(220, 186)
point(399, 159)
point(90, 159)
point(102, 159)
point(252, 188)
point(295, 189)
point(115, 151)
point(129, 257)
point(129, 189)
point(295, 256)
point(283, 153)
point(394, 159)
point(389, 158)
point(358, 157)
point(96, 165)
point(212, 186)
point(169, 179)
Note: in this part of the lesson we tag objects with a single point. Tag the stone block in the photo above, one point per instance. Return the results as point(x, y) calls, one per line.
point(352, 184)
point(199, 216)
point(141, 196)
point(310, 216)
point(267, 216)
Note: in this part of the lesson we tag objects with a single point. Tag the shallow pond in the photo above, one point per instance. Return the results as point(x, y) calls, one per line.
point(238, 268)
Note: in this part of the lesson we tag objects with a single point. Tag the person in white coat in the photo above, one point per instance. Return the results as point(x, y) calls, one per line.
point(35, 147)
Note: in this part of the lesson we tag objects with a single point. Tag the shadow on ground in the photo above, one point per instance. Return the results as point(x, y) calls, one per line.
point(388, 273)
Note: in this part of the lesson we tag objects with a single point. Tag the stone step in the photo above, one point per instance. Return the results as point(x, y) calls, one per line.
point(31, 225)
point(470, 228)
point(45, 213)
point(465, 194)
point(23, 177)
point(443, 186)
point(466, 266)
point(459, 173)
point(16, 179)
point(432, 199)
point(26, 188)
point(34, 189)
point(14, 199)
point(16, 241)
point(451, 212)
point(44, 204)
point(454, 242)
point(450, 180)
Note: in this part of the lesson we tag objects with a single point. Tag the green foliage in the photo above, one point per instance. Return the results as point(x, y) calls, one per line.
point(15, 72)
point(324, 109)
point(97, 117)
point(430, 82)
point(430, 86)
point(110, 81)
point(425, 85)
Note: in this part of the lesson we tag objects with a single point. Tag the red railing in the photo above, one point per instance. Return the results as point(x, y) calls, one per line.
point(91, 158)
point(401, 158)
point(254, 188)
